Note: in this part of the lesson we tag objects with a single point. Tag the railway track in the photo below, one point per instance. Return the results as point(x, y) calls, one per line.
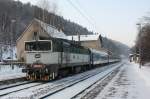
point(48, 89)
point(18, 87)
point(69, 84)
point(74, 83)
point(11, 81)
point(14, 85)
point(93, 90)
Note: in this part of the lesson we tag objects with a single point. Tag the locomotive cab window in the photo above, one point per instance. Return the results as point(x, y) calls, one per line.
point(38, 46)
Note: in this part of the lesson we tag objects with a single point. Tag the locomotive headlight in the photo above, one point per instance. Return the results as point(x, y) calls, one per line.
point(37, 56)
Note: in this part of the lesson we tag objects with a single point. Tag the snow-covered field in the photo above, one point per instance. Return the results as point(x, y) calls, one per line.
point(130, 83)
point(10, 72)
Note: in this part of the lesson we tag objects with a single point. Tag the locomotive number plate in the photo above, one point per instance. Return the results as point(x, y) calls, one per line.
point(37, 55)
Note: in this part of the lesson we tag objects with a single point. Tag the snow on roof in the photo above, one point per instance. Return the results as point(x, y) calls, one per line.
point(51, 30)
point(102, 52)
point(84, 37)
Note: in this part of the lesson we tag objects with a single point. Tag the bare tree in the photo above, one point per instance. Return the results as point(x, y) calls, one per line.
point(143, 39)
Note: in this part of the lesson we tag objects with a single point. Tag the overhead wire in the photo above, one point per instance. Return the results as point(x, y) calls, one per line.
point(80, 12)
point(87, 17)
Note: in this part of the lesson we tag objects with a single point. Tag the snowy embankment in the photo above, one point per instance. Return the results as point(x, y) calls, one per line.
point(130, 83)
point(10, 72)
point(8, 52)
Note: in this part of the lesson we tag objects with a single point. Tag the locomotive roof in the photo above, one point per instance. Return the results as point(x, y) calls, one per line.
point(74, 43)
point(90, 37)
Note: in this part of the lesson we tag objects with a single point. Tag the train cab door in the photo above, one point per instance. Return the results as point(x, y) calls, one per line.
point(91, 59)
point(65, 54)
point(60, 54)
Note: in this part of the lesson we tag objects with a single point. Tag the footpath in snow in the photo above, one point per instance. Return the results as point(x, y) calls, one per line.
point(130, 83)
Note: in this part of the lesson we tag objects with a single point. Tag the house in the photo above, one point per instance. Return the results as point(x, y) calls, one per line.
point(36, 30)
point(93, 41)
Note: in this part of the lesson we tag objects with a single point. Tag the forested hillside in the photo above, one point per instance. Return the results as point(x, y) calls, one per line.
point(116, 47)
point(15, 16)
point(24, 13)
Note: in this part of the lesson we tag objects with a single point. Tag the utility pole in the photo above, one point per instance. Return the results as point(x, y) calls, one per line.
point(79, 39)
point(107, 49)
point(1, 53)
point(140, 45)
point(11, 41)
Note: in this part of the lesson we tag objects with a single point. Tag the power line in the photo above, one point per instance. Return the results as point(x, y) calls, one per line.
point(80, 12)
point(90, 17)
point(87, 17)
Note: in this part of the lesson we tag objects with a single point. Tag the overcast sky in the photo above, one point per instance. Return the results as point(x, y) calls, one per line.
point(115, 19)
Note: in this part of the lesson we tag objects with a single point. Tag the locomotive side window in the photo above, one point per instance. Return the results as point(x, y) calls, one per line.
point(38, 46)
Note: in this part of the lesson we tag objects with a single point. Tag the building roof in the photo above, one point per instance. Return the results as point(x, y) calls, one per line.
point(91, 37)
point(51, 30)
point(101, 52)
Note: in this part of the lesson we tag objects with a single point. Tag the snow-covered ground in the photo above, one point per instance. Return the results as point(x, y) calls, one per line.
point(44, 89)
point(6, 71)
point(10, 72)
point(130, 83)
point(70, 92)
point(6, 52)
